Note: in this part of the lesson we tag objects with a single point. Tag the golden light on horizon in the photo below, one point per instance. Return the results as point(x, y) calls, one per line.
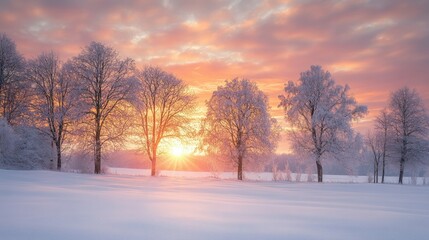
point(177, 151)
point(179, 155)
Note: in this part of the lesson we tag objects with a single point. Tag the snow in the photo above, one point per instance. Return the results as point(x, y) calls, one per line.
point(54, 205)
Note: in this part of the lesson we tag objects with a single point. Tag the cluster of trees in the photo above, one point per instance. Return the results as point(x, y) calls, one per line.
point(100, 100)
point(320, 113)
point(93, 96)
point(401, 133)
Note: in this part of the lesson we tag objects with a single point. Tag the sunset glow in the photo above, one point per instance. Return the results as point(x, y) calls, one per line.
point(375, 47)
point(177, 151)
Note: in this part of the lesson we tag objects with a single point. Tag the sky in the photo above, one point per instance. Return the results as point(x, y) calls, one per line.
point(375, 47)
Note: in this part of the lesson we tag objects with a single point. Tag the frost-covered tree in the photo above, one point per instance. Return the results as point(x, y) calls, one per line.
point(13, 90)
point(238, 124)
point(8, 140)
point(23, 147)
point(54, 98)
point(105, 84)
point(410, 123)
point(320, 113)
point(164, 105)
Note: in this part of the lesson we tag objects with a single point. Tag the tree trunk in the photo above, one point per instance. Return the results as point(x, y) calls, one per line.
point(97, 160)
point(376, 171)
point(401, 170)
point(58, 156)
point(153, 159)
point(384, 156)
point(319, 171)
point(153, 170)
point(240, 168)
point(382, 170)
point(376, 174)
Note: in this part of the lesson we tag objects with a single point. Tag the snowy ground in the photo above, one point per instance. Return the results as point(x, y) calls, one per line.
point(52, 205)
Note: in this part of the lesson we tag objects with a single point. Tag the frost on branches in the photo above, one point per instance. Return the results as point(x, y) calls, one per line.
point(23, 147)
point(54, 98)
point(320, 113)
point(238, 125)
point(410, 125)
point(13, 90)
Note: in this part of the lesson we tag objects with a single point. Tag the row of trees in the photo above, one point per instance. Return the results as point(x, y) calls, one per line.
point(104, 100)
point(100, 97)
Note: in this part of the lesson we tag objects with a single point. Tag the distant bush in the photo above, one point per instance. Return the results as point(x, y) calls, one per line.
point(8, 140)
point(24, 148)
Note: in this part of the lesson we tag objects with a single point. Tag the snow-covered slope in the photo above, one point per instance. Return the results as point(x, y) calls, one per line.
point(52, 205)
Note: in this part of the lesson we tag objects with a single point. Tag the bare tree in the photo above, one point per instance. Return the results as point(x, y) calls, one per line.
point(54, 98)
point(375, 142)
point(13, 92)
point(105, 85)
point(320, 113)
point(238, 125)
point(410, 124)
point(383, 123)
point(164, 106)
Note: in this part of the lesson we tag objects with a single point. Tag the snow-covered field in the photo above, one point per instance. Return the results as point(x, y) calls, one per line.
point(53, 205)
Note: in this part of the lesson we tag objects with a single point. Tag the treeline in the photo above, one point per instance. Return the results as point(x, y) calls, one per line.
point(97, 100)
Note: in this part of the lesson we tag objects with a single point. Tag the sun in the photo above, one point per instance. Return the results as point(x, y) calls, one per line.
point(177, 151)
